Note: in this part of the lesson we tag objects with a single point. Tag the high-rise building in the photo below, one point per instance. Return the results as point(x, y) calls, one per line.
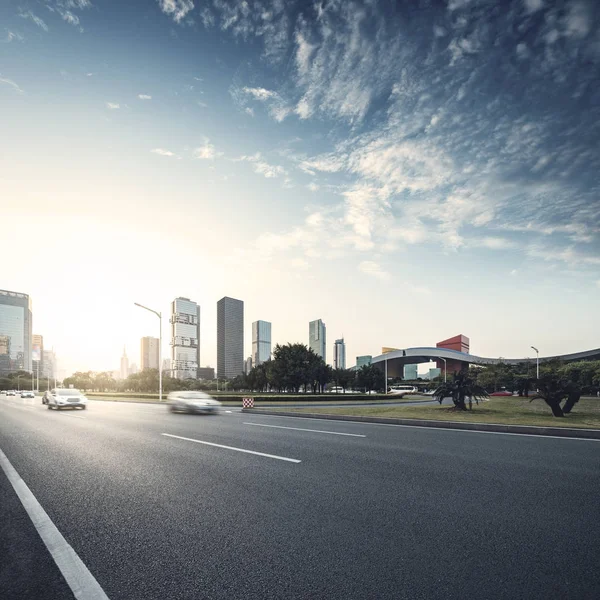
point(149, 353)
point(261, 342)
point(133, 369)
point(230, 337)
point(363, 361)
point(185, 338)
point(317, 338)
point(48, 364)
point(410, 372)
point(339, 354)
point(248, 365)
point(166, 366)
point(124, 372)
point(37, 353)
point(206, 373)
point(15, 332)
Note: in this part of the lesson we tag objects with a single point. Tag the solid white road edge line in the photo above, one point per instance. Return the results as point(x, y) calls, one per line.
point(311, 430)
point(529, 435)
point(292, 460)
point(82, 583)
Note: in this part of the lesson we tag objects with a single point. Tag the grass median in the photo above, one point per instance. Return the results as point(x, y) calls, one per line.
point(505, 411)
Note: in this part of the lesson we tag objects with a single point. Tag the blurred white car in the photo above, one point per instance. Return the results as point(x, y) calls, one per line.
point(193, 402)
point(61, 398)
point(27, 394)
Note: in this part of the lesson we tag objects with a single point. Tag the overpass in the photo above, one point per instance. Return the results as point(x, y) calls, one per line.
point(395, 360)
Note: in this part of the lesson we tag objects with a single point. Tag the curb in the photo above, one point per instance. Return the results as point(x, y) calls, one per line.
point(590, 434)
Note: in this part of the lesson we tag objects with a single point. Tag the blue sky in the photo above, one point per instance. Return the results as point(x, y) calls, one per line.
point(405, 171)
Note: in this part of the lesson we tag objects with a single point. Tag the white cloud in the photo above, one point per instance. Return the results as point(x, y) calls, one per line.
point(578, 20)
point(113, 105)
point(69, 17)
point(144, 97)
point(373, 269)
point(494, 243)
point(514, 272)
point(178, 9)
point(12, 84)
point(13, 35)
point(162, 152)
point(313, 187)
point(532, 6)
point(262, 167)
point(261, 94)
point(300, 263)
point(249, 111)
point(39, 22)
point(207, 151)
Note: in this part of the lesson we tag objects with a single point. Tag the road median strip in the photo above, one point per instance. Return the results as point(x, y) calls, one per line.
point(555, 432)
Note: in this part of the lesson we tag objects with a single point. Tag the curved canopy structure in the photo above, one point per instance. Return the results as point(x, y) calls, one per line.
point(396, 359)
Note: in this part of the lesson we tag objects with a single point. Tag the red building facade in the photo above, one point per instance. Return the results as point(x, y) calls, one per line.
point(458, 342)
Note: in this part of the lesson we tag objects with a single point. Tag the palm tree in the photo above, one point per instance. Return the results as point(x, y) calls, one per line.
point(459, 389)
point(553, 391)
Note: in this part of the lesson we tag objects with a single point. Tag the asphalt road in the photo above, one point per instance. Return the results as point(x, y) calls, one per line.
point(400, 512)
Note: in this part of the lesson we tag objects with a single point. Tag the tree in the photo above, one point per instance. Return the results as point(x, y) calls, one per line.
point(370, 377)
point(459, 389)
point(553, 390)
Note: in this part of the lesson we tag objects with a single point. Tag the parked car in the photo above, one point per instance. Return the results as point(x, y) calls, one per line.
point(11, 393)
point(60, 398)
point(193, 402)
point(27, 394)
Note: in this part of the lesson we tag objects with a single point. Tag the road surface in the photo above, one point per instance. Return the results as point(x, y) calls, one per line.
point(158, 505)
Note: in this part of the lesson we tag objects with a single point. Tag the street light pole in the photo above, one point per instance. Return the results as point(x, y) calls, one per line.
point(537, 362)
point(159, 315)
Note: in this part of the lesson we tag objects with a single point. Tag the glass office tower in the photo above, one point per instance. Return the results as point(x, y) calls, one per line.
point(230, 337)
point(185, 338)
point(317, 338)
point(15, 332)
point(261, 342)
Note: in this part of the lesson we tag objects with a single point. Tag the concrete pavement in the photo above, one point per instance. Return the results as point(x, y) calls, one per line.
point(382, 512)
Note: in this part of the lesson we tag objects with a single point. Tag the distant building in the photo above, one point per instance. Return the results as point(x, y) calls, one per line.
point(230, 337)
point(133, 369)
point(48, 364)
point(460, 343)
point(433, 373)
point(248, 365)
point(339, 354)
point(206, 373)
point(185, 338)
point(261, 342)
point(37, 354)
point(410, 372)
point(15, 332)
point(317, 338)
point(166, 366)
point(149, 353)
point(124, 373)
point(363, 361)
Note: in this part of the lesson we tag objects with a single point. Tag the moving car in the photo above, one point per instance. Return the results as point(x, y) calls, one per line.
point(60, 398)
point(402, 390)
point(27, 394)
point(11, 393)
point(502, 393)
point(193, 402)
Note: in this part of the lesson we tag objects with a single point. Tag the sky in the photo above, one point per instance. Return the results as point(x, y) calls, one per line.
point(405, 171)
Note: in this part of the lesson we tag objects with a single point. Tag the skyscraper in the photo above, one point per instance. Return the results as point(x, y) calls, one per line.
point(37, 353)
point(339, 354)
point(15, 332)
point(230, 337)
point(124, 365)
point(317, 338)
point(49, 364)
point(261, 342)
point(149, 353)
point(185, 338)
point(248, 365)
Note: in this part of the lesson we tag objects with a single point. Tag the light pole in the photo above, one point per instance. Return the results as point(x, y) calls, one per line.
point(537, 362)
point(386, 379)
point(445, 367)
point(159, 315)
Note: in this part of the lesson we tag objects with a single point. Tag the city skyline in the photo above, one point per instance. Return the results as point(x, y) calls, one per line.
point(434, 162)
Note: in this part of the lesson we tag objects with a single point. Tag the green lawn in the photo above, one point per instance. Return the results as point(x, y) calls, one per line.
point(507, 411)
